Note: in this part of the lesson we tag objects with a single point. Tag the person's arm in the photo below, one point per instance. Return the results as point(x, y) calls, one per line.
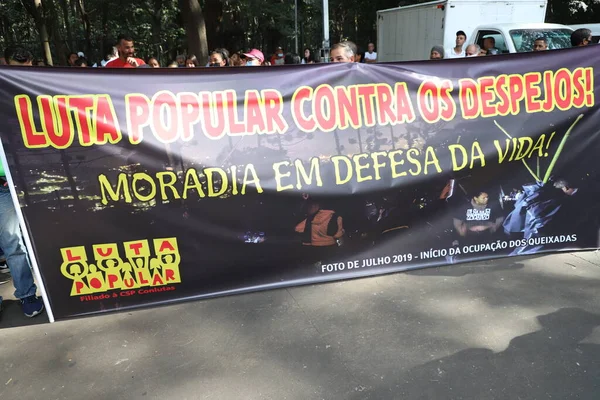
point(496, 224)
point(446, 191)
point(340, 231)
point(301, 227)
point(460, 227)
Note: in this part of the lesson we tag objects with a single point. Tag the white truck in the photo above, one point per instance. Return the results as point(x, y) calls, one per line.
point(408, 33)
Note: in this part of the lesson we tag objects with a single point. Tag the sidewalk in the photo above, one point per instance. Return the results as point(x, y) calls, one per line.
point(520, 328)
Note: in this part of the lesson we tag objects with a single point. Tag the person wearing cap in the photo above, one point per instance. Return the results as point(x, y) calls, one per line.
point(254, 58)
point(458, 51)
point(436, 53)
point(278, 58)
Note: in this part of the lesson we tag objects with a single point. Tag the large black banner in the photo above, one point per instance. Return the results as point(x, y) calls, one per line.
point(148, 186)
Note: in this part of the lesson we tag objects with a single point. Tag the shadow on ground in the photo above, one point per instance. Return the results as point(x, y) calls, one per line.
point(12, 316)
point(493, 335)
point(549, 363)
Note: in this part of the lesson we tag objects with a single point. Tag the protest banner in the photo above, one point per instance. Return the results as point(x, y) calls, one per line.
point(143, 187)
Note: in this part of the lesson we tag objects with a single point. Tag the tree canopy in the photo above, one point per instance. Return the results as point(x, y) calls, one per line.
point(161, 29)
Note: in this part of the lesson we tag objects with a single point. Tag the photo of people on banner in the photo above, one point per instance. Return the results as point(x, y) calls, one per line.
point(144, 187)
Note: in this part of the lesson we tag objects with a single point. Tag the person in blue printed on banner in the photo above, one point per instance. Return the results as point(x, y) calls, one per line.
point(11, 241)
point(560, 212)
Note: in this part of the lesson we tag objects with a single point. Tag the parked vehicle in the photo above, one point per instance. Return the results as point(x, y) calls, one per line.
point(408, 33)
point(519, 38)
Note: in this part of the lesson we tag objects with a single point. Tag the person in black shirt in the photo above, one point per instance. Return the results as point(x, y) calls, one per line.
point(477, 220)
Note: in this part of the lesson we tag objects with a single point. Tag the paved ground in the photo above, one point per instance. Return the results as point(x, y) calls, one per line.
point(507, 329)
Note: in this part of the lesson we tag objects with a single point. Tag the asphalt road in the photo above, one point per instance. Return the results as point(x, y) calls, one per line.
point(521, 328)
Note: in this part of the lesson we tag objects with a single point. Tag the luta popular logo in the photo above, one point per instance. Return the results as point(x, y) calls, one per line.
point(107, 270)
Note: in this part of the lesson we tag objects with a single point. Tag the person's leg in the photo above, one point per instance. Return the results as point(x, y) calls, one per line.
point(3, 266)
point(12, 245)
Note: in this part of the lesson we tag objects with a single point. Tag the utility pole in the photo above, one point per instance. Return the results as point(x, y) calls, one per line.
point(326, 44)
point(296, 24)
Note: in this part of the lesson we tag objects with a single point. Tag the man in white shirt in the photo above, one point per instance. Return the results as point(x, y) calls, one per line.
point(458, 51)
point(371, 55)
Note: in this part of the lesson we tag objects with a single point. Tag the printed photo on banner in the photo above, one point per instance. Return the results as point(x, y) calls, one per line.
point(143, 189)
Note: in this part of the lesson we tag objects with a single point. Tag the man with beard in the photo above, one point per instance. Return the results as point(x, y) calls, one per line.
point(126, 57)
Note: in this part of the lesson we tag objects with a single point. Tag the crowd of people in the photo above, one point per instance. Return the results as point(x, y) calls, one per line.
point(123, 55)
point(579, 37)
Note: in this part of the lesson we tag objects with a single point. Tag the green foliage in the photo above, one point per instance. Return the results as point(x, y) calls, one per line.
point(91, 26)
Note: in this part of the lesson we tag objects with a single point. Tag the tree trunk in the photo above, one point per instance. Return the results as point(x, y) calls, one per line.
point(36, 11)
point(65, 10)
point(213, 10)
point(156, 16)
point(104, 16)
point(53, 22)
point(87, 26)
point(195, 29)
point(6, 31)
point(41, 23)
